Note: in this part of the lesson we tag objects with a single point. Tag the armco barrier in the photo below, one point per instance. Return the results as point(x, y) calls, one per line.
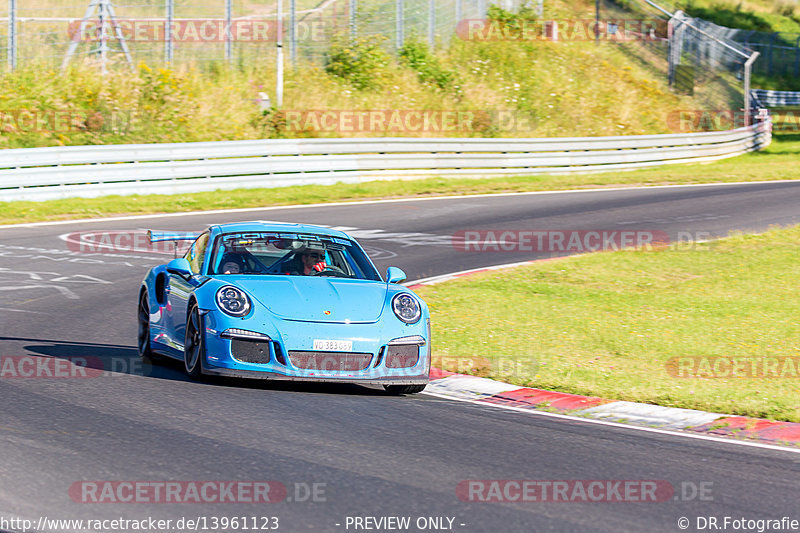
point(775, 99)
point(89, 171)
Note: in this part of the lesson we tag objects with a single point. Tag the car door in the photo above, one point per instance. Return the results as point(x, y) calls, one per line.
point(181, 288)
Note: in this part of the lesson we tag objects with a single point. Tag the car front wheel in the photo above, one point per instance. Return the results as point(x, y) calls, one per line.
point(194, 345)
point(144, 328)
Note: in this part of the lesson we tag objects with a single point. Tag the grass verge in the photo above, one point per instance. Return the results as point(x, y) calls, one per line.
point(759, 15)
point(620, 325)
point(514, 88)
point(778, 162)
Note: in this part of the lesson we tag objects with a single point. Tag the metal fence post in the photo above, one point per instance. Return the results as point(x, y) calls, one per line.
point(399, 24)
point(168, 50)
point(675, 31)
point(432, 23)
point(279, 58)
point(747, 68)
point(670, 51)
point(458, 12)
point(596, 21)
point(12, 34)
point(228, 34)
point(769, 54)
point(353, 28)
point(293, 30)
point(797, 58)
point(103, 24)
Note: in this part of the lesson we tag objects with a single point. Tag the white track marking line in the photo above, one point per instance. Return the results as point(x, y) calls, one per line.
point(63, 290)
point(80, 243)
point(64, 253)
point(433, 280)
point(21, 311)
point(453, 197)
point(619, 424)
point(385, 201)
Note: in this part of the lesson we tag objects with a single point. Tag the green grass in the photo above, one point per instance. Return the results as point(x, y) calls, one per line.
point(760, 15)
point(538, 84)
point(608, 324)
point(555, 89)
point(778, 162)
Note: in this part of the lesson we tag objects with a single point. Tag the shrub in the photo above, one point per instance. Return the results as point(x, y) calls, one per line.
point(785, 8)
point(362, 62)
point(416, 55)
point(511, 19)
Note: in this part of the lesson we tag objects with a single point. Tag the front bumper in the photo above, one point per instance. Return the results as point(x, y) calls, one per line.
point(264, 374)
point(278, 355)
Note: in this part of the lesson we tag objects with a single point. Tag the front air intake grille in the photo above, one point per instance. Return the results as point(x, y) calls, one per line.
point(330, 361)
point(402, 356)
point(250, 351)
point(279, 353)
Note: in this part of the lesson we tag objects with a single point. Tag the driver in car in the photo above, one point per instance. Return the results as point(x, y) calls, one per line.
point(232, 263)
point(231, 267)
point(313, 261)
point(310, 262)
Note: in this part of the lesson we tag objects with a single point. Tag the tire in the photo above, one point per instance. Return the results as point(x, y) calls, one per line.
point(194, 346)
point(404, 389)
point(143, 318)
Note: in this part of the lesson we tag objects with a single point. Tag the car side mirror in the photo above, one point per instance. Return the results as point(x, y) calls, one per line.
point(395, 275)
point(180, 266)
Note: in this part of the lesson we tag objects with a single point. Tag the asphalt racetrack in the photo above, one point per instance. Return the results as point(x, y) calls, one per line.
point(348, 452)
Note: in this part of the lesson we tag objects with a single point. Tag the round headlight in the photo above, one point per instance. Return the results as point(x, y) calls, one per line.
point(407, 308)
point(233, 301)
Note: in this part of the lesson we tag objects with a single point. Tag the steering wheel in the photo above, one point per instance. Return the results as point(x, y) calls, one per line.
point(329, 270)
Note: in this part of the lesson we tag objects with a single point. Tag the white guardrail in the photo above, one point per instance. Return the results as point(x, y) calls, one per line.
point(89, 171)
point(772, 99)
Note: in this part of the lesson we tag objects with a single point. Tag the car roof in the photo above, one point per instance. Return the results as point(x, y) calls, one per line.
point(279, 227)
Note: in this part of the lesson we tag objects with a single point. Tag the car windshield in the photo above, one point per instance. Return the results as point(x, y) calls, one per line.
point(290, 254)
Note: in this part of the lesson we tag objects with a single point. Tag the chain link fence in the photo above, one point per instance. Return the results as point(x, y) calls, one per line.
point(779, 51)
point(703, 61)
point(696, 57)
point(53, 32)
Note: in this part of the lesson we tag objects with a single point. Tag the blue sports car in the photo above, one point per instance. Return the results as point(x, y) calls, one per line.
point(284, 301)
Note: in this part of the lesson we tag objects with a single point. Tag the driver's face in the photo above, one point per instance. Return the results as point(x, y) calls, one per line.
point(230, 268)
point(312, 258)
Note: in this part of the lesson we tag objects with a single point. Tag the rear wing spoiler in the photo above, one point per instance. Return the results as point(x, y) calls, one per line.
point(161, 236)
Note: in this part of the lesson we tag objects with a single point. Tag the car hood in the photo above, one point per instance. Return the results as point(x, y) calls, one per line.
point(317, 299)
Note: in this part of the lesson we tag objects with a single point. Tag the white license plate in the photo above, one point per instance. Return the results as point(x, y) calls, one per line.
point(325, 345)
